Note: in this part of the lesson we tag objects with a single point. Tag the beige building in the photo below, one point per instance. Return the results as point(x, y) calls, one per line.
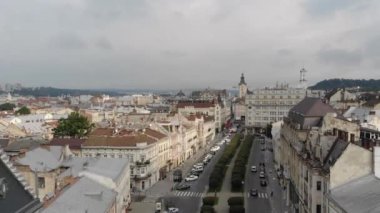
point(148, 152)
point(316, 146)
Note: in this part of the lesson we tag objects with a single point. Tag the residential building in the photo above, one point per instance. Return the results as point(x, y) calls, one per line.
point(146, 149)
point(210, 108)
point(316, 148)
point(15, 194)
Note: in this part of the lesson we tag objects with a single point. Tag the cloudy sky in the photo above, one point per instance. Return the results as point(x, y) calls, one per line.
point(186, 43)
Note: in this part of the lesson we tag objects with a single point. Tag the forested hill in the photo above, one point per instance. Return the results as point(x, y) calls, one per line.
point(54, 92)
point(365, 85)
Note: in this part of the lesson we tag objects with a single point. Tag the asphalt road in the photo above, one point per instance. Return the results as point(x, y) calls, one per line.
point(264, 202)
point(189, 201)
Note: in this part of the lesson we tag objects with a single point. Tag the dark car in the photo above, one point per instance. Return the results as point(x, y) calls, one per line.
point(182, 187)
point(263, 183)
point(253, 192)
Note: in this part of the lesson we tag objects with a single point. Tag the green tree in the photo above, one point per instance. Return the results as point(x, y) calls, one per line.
point(75, 125)
point(7, 106)
point(23, 111)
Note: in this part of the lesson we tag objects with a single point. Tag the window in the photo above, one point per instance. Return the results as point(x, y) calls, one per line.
point(120, 155)
point(318, 208)
point(319, 185)
point(41, 182)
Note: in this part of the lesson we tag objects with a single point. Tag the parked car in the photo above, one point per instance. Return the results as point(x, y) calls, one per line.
point(253, 192)
point(191, 178)
point(215, 148)
point(263, 183)
point(198, 165)
point(262, 148)
point(262, 174)
point(182, 187)
point(253, 169)
point(173, 210)
point(197, 169)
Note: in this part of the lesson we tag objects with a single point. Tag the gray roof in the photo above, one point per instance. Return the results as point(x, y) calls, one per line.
point(335, 152)
point(24, 143)
point(17, 199)
point(312, 107)
point(84, 196)
point(108, 167)
point(42, 159)
point(361, 195)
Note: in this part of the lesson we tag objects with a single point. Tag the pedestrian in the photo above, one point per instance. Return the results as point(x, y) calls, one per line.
point(271, 193)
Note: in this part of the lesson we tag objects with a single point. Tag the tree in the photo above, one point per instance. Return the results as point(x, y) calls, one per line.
point(23, 111)
point(7, 106)
point(268, 130)
point(75, 125)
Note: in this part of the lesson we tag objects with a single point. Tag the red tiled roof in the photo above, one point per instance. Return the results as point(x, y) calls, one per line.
point(74, 143)
point(205, 104)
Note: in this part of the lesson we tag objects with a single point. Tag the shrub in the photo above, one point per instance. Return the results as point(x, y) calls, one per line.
point(239, 170)
point(209, 201)
point(237, 209)
point(219, 170)
point(207, 209)
point(234, 201)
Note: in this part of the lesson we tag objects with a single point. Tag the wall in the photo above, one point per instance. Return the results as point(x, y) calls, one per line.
point(349, 166)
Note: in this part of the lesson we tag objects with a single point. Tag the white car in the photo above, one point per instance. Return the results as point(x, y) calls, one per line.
point(215, 148)
point(191, 178)
point(173, 210)
point(253, 169)
point(198, 165)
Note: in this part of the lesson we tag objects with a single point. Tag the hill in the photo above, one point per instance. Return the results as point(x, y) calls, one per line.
point(365, 85)
point(54, 92)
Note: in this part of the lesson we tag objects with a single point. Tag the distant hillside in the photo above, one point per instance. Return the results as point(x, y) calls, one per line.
point(365, 85)
point(54, 92)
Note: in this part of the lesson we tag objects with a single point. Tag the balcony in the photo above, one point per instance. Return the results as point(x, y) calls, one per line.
point(142, 163)
point(142, 176)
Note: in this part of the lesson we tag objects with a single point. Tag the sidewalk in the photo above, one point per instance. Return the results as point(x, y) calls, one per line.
point(225, 193)
point(278, 202)
point(164, 187)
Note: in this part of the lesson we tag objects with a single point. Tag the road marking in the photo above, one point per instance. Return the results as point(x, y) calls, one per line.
point(266, 195)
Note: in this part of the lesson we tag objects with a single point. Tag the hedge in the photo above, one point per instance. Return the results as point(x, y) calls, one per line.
point(220, 168)
point(238, 172)
point(236, 201)
point(237, 209)
point(210, 201)
point(207, 209)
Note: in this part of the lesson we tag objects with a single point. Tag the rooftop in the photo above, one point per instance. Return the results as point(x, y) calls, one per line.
point(361, 195)
point(312, 107)
point(84, 196)
point(17, 199)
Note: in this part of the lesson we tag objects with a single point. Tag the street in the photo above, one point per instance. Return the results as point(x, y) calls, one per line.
point(264, 202)
point(190, 201)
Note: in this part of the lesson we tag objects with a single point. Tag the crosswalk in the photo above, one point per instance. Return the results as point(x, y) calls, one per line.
point(260, 195)
point(188, 194)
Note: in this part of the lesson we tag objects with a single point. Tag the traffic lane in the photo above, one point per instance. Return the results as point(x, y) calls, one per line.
point(261, 202)
point(192, 204)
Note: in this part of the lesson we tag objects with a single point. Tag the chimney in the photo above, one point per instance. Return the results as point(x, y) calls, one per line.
point(376, 161)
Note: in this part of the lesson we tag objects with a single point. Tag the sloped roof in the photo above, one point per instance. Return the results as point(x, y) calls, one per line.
point(42, 159)
point(312, 107)
point(361, 195)
point(118, 141)
point(84, 196)
point(196, 104)
point(73, 143)
point(17, 199)
point(335, 152)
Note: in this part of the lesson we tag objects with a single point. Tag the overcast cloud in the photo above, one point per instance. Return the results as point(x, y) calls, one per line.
point(186, 43)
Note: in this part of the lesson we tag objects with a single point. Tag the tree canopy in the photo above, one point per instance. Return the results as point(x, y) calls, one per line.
point(7, 106)
point(75, 125)
point(23, 111)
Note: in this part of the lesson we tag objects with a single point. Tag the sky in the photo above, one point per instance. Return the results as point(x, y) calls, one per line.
point(177, 44)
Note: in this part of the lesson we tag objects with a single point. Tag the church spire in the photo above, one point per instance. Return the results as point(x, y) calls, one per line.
point(242, 80)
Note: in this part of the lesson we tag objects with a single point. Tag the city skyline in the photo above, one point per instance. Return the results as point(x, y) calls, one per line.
point(186, 44)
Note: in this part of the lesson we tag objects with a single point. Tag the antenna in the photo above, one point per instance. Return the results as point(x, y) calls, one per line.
point(303, 77)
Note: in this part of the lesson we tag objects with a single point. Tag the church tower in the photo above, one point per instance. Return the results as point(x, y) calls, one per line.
point(242, 87)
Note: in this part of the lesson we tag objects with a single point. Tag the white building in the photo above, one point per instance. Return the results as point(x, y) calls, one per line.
point(269, 105)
